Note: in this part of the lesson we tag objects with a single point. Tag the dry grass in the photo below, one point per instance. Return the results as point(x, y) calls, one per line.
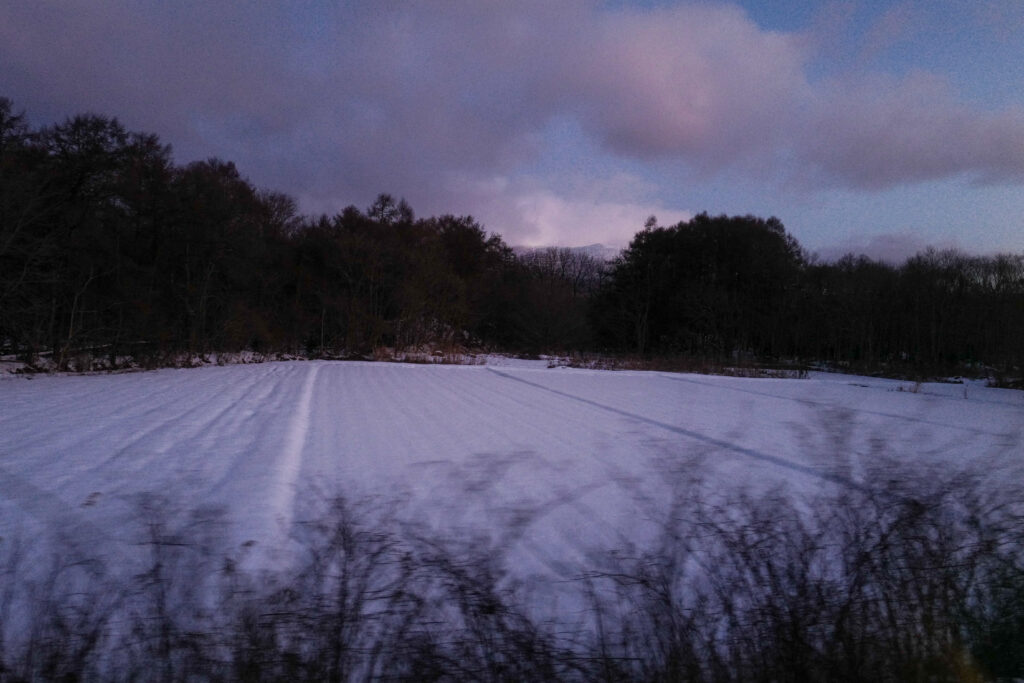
point(683, 364)
point(907, 578)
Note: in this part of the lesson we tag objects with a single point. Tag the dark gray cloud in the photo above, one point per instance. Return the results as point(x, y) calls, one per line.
point(336, 103)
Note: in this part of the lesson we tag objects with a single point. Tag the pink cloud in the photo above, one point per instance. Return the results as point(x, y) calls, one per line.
point(701, 82)
point(878, 132)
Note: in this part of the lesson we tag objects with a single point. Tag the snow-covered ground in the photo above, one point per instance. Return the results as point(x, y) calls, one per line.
point(547, 464)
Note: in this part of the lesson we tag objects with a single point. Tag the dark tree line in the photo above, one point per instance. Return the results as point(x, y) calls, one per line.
point(939, 309)
point(709, 286)
point(108, 247)
point(722, 287)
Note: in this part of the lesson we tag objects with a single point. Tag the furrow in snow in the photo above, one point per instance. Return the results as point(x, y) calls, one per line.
point(290, 464)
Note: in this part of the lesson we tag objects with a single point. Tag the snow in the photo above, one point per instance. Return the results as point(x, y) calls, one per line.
point(548, 464)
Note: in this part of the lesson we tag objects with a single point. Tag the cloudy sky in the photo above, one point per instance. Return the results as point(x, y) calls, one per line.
point(873, 126)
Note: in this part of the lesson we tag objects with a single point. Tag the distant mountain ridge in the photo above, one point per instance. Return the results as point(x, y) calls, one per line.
point(598, 251)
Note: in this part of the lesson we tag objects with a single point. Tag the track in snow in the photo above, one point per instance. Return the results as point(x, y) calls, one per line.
point(719, 444)
point(291, 455)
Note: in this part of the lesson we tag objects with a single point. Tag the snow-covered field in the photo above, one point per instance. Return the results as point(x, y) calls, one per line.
point(548, 464)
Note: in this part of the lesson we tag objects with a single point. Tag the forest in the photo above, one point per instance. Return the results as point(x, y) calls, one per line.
point(110, 248)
